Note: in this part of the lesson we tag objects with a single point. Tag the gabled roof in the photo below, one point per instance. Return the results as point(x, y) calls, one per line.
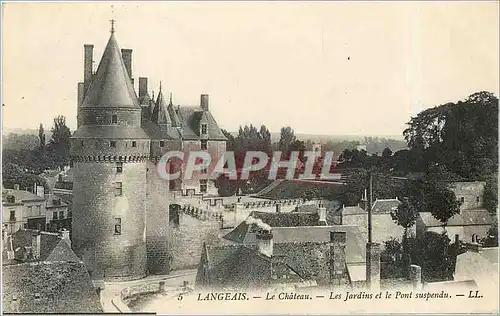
point(111, 85)
point(191, 117)
point(384, 206)
point(48, 287)
point(295, 189)
point(160, 115)
point(52, 246)
point(24, 196)
point(464, 218)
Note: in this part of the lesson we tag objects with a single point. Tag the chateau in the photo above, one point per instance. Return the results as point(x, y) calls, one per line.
point(120, 226)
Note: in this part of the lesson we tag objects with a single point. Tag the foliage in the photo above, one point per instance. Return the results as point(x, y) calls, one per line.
point(491, 194)
point(441, 201)
point(13, 174)
point(59, 144)
point(405, 215)
point(287, 137)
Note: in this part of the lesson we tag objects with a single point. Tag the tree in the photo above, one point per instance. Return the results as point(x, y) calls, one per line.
point(59, 144)
point(405, 215)
point(441, 201)
point(491, 194)
point(387, 153)
point(41, 135)
point(287, 137)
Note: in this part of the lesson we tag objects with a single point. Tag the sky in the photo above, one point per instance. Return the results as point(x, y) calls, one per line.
point(339, 68)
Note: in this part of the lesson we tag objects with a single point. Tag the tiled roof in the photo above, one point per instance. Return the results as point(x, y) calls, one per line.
point(154, 131)
point(352, 210)
point(111, 85)
point(385, 206)
point(48, 287)
point(295, 189)
point(465, 218)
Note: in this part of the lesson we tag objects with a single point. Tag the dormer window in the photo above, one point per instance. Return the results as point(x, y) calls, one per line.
point(203, 129)
point(114, 119)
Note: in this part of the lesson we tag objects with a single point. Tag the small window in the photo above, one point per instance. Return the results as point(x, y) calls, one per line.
point(162, 143)
point(134, 144)
point(30, 211)
point(462, 200)
point(54, 215)
point(203, 185)
point(61, 215)
point(12, 216)
point(39, 209)
point(118, 189)
point(81, 143)
point(477, 199)
point(118, 226)
point(204, 129)
point(119, 167)
point(70, 214)
point(114, 119)
point(112, 143)
point(204, 144)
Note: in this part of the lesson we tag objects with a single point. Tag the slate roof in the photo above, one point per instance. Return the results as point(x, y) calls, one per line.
point(154, 131)
point(48, 287)
point(160, 114)
point(24, 196)
point(190, 118)
point(355, 248)
point(52, 246)
point(465, 218)
point(384, 206)
point(291, 219)
point(110, 131)
point(111, 86)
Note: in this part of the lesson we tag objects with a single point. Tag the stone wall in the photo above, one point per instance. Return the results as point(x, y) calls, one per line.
point(471, 192)
point(187, 240)
point(95, 210)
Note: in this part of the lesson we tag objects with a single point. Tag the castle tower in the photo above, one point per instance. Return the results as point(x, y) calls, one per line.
point(109, 152)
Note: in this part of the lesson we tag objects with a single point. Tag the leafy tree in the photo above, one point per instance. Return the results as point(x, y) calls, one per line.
point(436, 256)
point(441, 202)
point(59, 144)
point(387, 153)
point(405, 216)
point(13, 174)
point(230, 140)
point(41, 135)
point(287, 137)
point(491, 194)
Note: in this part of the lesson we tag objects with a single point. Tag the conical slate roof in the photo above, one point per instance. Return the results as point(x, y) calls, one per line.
point(160, 115)
point(111, 85)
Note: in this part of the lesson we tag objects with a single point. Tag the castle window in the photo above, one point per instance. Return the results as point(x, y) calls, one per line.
point(203, 129)
point(81, 143)
point(134, 144)
point(61, 215)
point(39, 209)
point(477, 199)
point(203, 185)
point(12, 216)
point(462, 200)
point(119, 167)
point(204, 144)
point(118, 189)
point(118, 226)
point(112, 143)
point(114, 119)
point(162, 143)
point(70, 214)
point(54, 215)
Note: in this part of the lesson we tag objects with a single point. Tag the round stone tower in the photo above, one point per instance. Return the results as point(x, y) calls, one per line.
point(109, 152)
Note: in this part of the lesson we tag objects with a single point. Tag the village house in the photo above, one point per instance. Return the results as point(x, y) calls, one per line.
point(26, 210)
point(41, 274)
point(473, 221)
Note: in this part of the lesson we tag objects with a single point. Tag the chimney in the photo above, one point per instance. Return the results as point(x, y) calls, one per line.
point(457, 239)
point(265, 242)
point(40, 191)
point(322, 213)
point(87, 66)
point(338, 274)
point(204, 102)
point(10, 248)
point(36, 243)
point(127, 59)
point(143, 86)
point(278, 208)
point(416, 277)
point(373, 266)
point(64, 233)
point(16, 186)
